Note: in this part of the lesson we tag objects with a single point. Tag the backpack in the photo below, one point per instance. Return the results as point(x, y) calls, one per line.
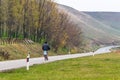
point(46, 47)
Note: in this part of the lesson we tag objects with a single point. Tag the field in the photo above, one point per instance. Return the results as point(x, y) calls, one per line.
point(99, 67)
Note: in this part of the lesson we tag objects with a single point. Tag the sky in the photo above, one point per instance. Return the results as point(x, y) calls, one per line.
point(92, 5)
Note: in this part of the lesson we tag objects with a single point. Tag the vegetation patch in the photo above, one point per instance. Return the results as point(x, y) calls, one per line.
point(99, 67)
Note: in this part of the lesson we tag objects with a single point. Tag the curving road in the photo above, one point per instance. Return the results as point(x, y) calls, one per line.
point(13, 64)
point(105, 49)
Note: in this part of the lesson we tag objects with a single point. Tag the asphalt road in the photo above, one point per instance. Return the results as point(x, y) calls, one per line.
point(14, 64)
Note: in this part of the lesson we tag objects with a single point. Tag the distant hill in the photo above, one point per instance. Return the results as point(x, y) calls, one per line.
point(98, 27)
point(109, 18)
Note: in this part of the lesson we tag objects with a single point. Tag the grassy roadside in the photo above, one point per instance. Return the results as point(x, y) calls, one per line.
point(20, 51)
point(99, 67)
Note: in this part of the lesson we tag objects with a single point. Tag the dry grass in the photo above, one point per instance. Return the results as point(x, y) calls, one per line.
point(19, 50)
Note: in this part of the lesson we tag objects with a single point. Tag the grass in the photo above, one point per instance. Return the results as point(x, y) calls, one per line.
point(99, 67)
point(20, 50)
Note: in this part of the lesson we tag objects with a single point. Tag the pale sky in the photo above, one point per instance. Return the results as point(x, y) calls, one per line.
point(92, 5)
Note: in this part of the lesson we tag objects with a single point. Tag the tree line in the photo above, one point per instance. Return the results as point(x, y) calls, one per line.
point(38, 20)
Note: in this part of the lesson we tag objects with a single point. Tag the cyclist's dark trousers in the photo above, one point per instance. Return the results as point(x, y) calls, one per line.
point(46, 57)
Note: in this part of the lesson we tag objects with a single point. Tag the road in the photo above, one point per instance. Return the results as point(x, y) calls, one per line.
point(14, 64)
point(105, 49)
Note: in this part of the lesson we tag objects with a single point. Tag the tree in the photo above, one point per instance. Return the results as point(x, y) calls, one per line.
point(38, 20)
point(0, 18)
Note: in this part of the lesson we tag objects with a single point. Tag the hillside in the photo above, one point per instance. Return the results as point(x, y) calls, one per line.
point(109, 18)
point(98, 27)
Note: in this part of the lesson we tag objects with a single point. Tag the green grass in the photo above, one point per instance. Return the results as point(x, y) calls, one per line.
point(99, 67)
